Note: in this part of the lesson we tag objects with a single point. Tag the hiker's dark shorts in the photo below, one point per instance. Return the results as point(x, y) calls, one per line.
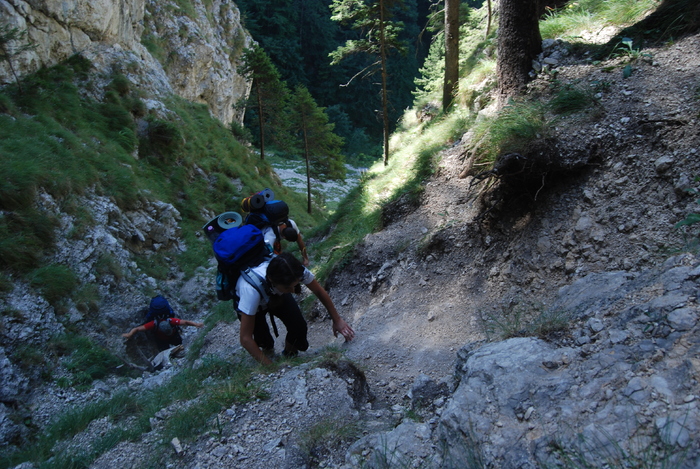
point(287, 310)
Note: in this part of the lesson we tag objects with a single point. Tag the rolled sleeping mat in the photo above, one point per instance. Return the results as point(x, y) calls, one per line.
point(267, 194)
point(221, 223)
point(257, 201)
point(229, 220)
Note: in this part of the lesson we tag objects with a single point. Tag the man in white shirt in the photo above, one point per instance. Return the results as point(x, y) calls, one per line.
point(279, 278)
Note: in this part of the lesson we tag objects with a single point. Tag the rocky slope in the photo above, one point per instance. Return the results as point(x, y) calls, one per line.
point(595, 249)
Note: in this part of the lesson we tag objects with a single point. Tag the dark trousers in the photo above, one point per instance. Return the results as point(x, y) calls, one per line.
point(164, 342)
point(287, 310)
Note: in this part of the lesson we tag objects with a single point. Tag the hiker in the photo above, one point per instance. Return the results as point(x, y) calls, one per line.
point(288, 230)
point(162, 325)
point(281, 277)
point(165, 332)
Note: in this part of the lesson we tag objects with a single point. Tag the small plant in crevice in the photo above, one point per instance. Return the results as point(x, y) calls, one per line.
point(87, 298)
point(326, 435)
point(691, 233)
point(658, 447)
point(522, 319)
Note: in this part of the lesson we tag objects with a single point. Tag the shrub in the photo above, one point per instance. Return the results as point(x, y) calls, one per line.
point(120, 84)
point(54, 281)
point(162, 139)
point(522, 319)
point(240, 132)
point(89, 361)
point(570, 98)
point(518, 124)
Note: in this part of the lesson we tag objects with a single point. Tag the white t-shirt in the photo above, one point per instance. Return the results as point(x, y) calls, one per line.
point(249, 300)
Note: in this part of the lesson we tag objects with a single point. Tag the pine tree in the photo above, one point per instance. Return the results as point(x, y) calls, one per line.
point(373, 18)
point(269, 93)
point(312, 135)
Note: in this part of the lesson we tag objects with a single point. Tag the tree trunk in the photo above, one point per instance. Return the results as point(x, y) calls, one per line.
point(488, 20)
point(385, 97)
point(308, 166)
point(260, 123)
point(451, 80)
point(519, 42)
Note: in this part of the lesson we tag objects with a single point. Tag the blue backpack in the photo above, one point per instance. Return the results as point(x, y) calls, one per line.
point(159, 309)
point(236, 250)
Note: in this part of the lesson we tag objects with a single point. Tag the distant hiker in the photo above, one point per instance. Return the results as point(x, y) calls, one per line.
point(272, 218)
point(161, 324)
point(290, 232)
point(280, 277)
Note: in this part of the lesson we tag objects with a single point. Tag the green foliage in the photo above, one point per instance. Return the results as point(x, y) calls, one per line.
point(518, 124)
point(214, 384)
point(312, 136)
point(240, 132)
point(154, 266)
point(570, 98)
point(86, 360)
point(6, 284)
point(162, 140)
point(298, 41)
point(324, 436)
point(574, 18)
point(25, 237)
point(56, 139)
point(379, 36)
point(107, 265)
point(688, 224)
point(87, 298)
point(54, 281)
point(28, 356)
point(268, 96)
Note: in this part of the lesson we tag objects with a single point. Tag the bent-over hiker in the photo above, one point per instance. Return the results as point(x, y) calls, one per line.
point(165, 332)
point(161, 324)
point(280, 277)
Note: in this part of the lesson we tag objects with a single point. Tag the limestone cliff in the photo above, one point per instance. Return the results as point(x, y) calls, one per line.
point(187, 48)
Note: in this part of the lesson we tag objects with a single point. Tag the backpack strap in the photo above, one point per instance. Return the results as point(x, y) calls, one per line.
point(258, 282)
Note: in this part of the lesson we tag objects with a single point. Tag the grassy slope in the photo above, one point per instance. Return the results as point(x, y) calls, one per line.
point(56, 139)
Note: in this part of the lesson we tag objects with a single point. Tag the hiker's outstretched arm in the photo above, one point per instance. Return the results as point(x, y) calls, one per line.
point(247, 341)
point(339, 324)
point(302, 249)
point(185, 322)
point(134, 331)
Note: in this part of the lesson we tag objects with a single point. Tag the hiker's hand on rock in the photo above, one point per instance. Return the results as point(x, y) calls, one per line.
point(341, 327)
point(198, 324)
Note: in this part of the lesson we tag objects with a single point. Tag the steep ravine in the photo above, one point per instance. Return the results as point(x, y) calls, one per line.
point(599, 245)
point(593, 245)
